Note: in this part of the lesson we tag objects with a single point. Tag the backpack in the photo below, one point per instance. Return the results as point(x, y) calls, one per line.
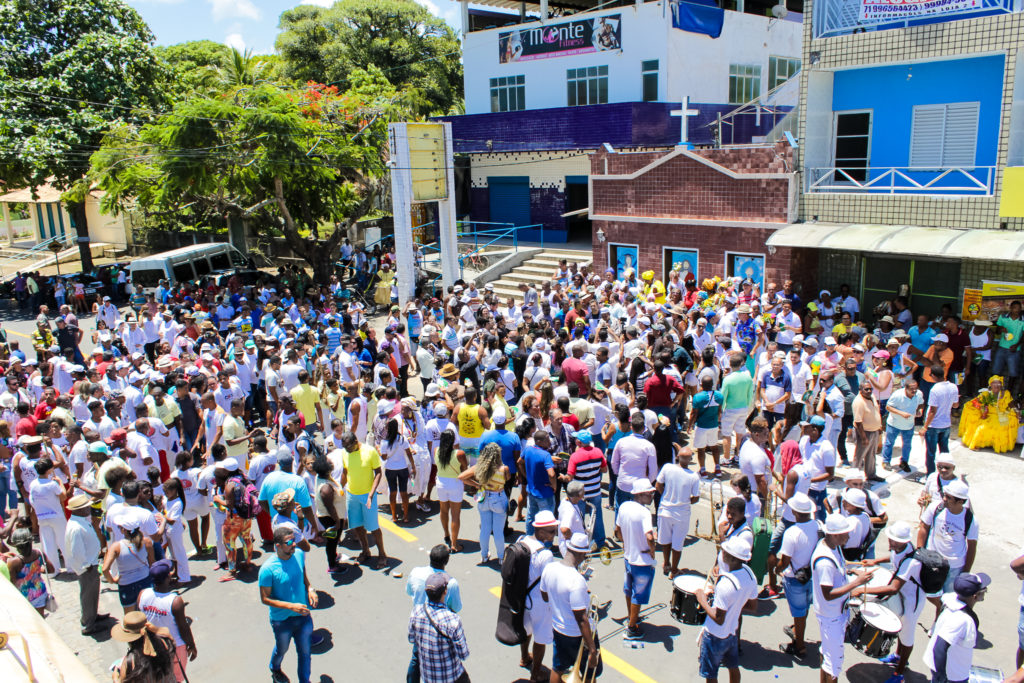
point(313, 449)
point(934, 570)
point(515, 589)
point(247, 498)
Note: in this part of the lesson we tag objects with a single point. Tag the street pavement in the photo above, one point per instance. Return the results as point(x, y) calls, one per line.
point(363, 612)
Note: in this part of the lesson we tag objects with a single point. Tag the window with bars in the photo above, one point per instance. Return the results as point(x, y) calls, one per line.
point(508, 93)
point(588, 85)
point(649, 80)
point(744, 82)
point(944, 135)
point(781, 69)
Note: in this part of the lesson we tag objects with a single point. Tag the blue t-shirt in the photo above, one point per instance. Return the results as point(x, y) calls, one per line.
point(537, 462)
point(509, 443)
point(706, 403)
point(286, 580)
point(921, 340)
point(333, 336)
point(278, 481)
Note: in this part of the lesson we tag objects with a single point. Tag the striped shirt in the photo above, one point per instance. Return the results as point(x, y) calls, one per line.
point(585, 466)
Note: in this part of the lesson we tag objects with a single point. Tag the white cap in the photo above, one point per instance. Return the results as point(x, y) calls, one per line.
point(956, 488)
point(499, 417)
point(229, 464)
point(899, 532)
point(836, 524)
point(856, 475)
point(940, 338)
point(738, 548)
point(944, 459)
point(641, 485)
point(802, 503)
point(385, 407)
point(136, 377)
point(431, 390)
point(830, 341)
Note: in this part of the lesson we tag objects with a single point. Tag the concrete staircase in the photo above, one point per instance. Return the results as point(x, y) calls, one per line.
point(538, 269)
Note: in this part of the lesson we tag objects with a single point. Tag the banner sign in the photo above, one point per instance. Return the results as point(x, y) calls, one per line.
point(558, 40)
point(897, 10)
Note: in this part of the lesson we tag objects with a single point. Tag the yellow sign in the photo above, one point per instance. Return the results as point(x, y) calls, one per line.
point(972, 304)
point(1011, 197)
point(427, 161)
point(991, 289)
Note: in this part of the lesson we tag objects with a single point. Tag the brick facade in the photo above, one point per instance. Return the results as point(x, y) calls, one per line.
point(746, 210)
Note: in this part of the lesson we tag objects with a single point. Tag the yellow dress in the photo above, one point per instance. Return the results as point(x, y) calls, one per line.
point(382, 295)
point(994, 426)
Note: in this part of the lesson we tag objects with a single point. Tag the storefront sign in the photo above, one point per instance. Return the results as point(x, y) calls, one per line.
point(992, 300)
point(558, 40)
point(877, 11)
point(971, 308)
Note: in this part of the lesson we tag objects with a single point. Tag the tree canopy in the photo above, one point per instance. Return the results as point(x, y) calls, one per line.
point(304, 164)
point(412, 48)
point(196, 66)
point(69, 69)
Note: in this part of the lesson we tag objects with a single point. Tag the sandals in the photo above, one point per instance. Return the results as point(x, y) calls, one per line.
point(790, 649)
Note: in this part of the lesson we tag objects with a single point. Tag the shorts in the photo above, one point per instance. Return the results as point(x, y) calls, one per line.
point(798, 596)
point(566, 648)
point(358, 515)
point(537, 621)
point(672, 529)
point(129, 593)
point(775, 545)
point(734, 421)
point(718, 652)
point(193, 512)
point(908, 623)
point(398, 480)
point(638, 583)
point(833, 637)
point(705, 438)
point(450, 490)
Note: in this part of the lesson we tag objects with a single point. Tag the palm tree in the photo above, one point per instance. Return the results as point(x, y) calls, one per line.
point(243, 68)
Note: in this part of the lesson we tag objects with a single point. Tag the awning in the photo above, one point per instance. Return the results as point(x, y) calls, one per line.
point(45, 194)
point(904, 240)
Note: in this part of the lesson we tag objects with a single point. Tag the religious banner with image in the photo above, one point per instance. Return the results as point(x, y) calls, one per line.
point(622, 257)
point(746, 266)
point(683, 260)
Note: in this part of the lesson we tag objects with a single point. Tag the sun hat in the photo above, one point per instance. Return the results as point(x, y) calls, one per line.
point(79, 502)
point(836, 524)
point(738, 548)
point(545, 518)
point(431, 390)
point(131, 628)
point(641, 486)
point(899, 532)
point(856, 497)
point(579, 543)
point(957, 489)
point(449, 370)
point(801, 503)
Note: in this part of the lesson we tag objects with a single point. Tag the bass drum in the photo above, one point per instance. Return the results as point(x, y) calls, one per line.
point(685, 608)
point(873, 629)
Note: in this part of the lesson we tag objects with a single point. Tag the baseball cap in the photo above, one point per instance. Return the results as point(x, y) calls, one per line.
point(437, 581)
point(966, 585)
point(817, 421)
point(641, 486)
point(585, 437)
point(940, 338)
point(160, 570)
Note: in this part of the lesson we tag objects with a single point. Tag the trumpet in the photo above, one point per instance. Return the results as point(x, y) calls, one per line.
point(577, 675)
point(716, 502)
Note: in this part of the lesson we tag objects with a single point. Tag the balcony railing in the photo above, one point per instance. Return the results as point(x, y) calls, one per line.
point(840, 17)
point(973, 181)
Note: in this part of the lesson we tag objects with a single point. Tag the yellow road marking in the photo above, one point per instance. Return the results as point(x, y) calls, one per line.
point(395, 529)
point(20, 334)
point(623, 667)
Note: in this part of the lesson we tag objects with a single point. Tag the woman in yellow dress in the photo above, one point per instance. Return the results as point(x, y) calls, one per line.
point(991, 419)
point(382, 295)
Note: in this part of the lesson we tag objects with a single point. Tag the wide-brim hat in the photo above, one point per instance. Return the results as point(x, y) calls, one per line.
point(449, 370)
point(79, 502)
point(130, 629)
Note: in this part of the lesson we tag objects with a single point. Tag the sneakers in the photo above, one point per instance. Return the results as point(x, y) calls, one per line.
point(277, 676)
point(633, 633)
point(891, 659)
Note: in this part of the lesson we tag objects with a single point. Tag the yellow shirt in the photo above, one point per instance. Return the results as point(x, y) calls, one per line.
point(234, 428)
point(360, 466)
point(306, 400)
point(470, 424)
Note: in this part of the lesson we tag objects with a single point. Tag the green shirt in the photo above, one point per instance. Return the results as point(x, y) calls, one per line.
point(738, 390)
point(1011, 330)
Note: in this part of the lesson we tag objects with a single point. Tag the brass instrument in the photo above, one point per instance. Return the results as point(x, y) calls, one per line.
point(716, 503)
point(577, 675)
point(608, 554)
point(589, 528)
point(772, 505)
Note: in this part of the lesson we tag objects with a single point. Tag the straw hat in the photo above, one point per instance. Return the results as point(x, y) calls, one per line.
point(449, 370)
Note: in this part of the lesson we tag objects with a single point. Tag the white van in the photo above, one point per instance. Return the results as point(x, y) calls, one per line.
point(185, 264)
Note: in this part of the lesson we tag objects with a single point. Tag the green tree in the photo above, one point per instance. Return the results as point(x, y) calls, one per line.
point(69, 70)
point(243, 68)
point(413, 48)
point(303, 165)
point(196, 65)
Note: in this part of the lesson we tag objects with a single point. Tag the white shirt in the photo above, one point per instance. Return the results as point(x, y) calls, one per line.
point(44, 494)
point(829, 570)
point(801, 377)
point(568, 517)
point(681, 485)
point(947, 534)
point(732, 590)
point(956, 627)
point(754, 462)
point(821, 455)
point(635, 522)
point(82, 544)
point(540, 557)
point(567, 592)
point(944, 395)
point(803, 483)
point(289, 375)
point(798, 543)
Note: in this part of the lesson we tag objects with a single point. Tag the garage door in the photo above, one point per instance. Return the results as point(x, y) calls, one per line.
point(510, 199)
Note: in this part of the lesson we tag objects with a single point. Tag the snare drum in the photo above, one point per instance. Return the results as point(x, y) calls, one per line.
point(873, 629)
point(684, 600)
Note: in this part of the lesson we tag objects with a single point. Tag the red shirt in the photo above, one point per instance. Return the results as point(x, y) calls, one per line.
point(43, 410)
point(659, 390)
point(575, 370)
point(26, 427)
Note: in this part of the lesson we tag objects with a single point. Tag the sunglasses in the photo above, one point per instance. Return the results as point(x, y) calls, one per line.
point(289, 543)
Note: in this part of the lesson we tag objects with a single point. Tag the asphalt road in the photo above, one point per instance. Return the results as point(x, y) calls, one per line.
point(363, 613)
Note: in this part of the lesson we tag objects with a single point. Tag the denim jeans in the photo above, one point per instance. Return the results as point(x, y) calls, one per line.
point(935, 437)
point(492, 511)
point(301, 629)
point(599, 536)
point(535, 505)
point(819, 500)
point(891, 434)
point(412, 675)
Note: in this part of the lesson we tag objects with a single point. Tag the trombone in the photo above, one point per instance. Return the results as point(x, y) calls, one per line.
point(585, 569)
point(577, 675)
point(716, 503)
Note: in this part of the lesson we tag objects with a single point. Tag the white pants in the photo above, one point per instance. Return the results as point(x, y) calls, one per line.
point(176, 544)
point(51, 534)
point(218, 525)
point(833, 636)
point(423, 463)
point(672, 529)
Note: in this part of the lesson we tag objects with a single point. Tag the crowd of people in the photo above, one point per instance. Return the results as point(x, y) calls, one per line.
point(279, 409)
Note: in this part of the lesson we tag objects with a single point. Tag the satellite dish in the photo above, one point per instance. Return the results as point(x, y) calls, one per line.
point(779, 11)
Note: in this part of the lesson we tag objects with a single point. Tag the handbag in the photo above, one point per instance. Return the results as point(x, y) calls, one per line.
point(51, 599)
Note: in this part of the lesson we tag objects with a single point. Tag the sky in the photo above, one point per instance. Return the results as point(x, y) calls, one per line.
point(239, 23)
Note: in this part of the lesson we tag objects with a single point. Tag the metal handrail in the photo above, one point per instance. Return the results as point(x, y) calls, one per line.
point(38, 248)
point(840, 17)
point(898, 180)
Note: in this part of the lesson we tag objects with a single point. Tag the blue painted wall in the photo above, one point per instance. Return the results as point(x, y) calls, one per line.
point(893, 91)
